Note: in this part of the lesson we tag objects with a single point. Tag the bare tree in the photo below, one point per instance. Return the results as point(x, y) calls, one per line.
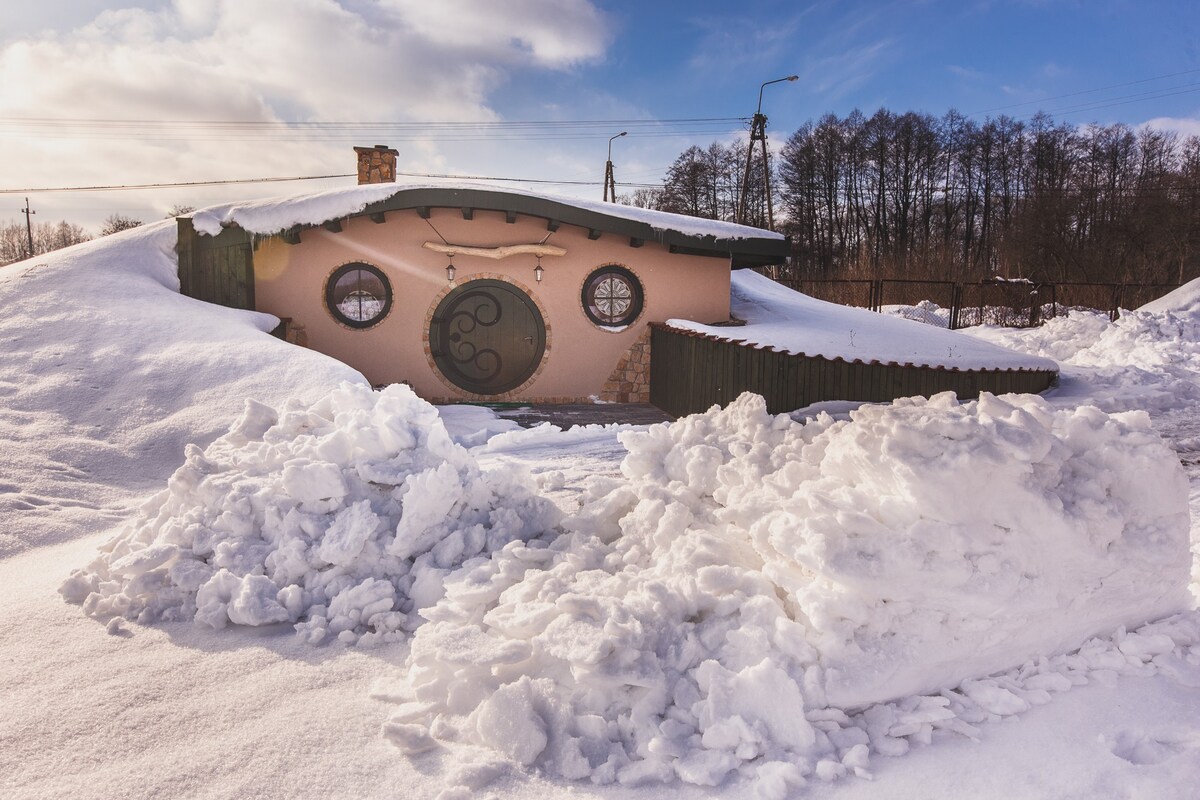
point(47, 236)
point(642, 198)
point(115, 223)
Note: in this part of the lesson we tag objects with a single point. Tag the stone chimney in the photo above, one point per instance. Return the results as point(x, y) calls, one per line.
point(376, 164)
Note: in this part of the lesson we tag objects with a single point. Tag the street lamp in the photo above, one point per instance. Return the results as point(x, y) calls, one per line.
point(610, 185)
point(758, 132)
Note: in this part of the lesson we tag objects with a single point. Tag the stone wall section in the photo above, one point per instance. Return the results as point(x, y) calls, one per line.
point(630, 381)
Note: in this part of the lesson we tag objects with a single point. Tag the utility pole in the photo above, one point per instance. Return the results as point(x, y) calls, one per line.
point(610, 185)
point(28, 226)
point(758, 133)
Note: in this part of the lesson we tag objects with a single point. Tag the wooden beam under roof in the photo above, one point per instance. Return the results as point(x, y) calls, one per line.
point(468, 212)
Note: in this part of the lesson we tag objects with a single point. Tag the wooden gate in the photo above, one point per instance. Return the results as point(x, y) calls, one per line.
point(216, 269)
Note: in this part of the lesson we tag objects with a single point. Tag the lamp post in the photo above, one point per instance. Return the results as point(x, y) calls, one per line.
point(758, 133)
point(610, 185)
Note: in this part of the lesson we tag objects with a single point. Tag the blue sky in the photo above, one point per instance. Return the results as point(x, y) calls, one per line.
point(461, 60)
point(706, 59)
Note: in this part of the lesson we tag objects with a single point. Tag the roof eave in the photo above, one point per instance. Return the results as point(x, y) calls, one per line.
point(741, 252)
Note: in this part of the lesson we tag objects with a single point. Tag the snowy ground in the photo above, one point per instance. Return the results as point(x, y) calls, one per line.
point(103, 391)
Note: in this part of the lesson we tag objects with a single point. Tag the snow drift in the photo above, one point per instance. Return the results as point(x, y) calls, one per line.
point(107, 372)
point(342, 517)
point(1146, 359)
point(752, 577)
point(779, 317)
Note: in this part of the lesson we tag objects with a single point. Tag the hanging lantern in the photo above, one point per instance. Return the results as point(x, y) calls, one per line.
point(538, 271)
point(450, 272)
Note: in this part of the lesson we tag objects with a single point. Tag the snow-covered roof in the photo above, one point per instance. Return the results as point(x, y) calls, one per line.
point(746, 246)
point(786, 320)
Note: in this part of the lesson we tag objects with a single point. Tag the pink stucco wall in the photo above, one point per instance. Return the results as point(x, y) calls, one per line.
point(290, 282)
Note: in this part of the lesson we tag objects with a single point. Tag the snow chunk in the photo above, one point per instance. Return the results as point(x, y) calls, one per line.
point(507, 722)
point(342, 517)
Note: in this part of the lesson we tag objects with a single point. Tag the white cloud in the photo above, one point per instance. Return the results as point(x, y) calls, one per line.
point(964, 72)
point(1184, 126)
point(556, 33)
point(840, 73)
point(268, 60)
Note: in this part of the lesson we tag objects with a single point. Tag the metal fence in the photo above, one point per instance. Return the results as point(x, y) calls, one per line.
point(950, 304)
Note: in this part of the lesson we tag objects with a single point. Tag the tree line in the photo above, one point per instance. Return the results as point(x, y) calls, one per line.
point(47, 236)
point(916, 196)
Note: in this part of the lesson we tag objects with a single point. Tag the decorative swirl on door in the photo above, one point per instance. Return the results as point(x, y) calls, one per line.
point(481, 365)
point(487, 337)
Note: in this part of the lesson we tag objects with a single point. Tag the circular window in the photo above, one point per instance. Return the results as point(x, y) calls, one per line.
point(612, 297)
point(358, 295)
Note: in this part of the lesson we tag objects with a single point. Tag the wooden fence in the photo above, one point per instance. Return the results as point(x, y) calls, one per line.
point(690, 372)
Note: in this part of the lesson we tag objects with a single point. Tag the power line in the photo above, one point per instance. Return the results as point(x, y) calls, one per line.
point(391, 124)
point(141, 186)
point(1128, 99)
point(257, 130)
point(1086, 91)
point(1093, 104)
point(124, 187)
point(394, 138)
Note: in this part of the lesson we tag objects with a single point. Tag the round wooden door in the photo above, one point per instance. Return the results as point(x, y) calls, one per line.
point(487, 337)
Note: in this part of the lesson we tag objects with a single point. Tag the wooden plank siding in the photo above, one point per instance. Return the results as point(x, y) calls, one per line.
point(216, 269)
point(690, 372)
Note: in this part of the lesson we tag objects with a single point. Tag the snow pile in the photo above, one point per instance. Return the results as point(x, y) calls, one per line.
point(1184, 299)
point(342, 517)
point(1148, 360)
point(926, 311)
point(753, 577)
point(778, 317)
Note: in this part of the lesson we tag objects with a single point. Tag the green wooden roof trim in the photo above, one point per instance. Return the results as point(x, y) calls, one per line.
point(748, 252)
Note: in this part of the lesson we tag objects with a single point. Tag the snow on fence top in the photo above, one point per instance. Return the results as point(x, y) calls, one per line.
point(786, 320)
